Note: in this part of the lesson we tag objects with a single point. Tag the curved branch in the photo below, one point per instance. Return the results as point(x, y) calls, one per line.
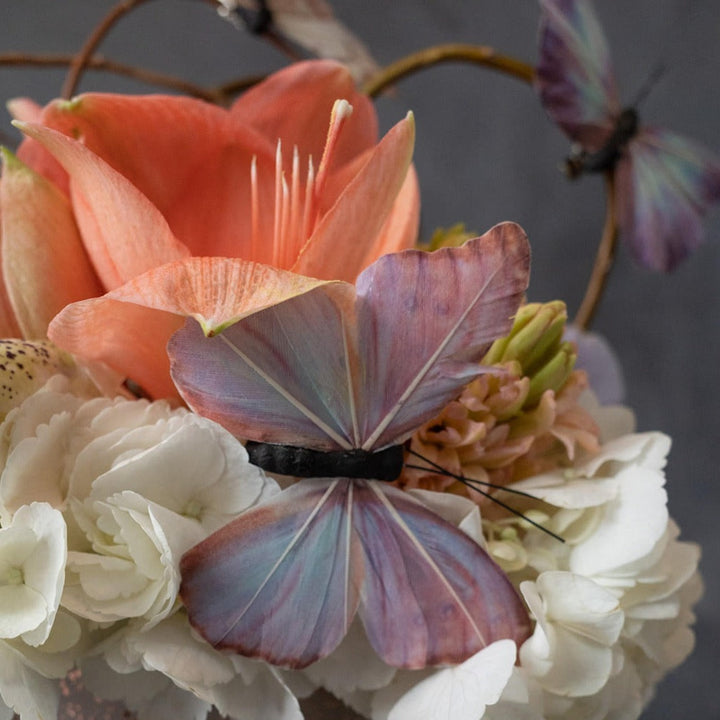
point(83, 57)
point(96, 37)
point(453, 52)
point(100, 63)
point(603, 259)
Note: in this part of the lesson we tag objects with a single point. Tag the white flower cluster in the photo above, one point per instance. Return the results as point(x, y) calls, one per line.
point(612, 604)
point(99, 499)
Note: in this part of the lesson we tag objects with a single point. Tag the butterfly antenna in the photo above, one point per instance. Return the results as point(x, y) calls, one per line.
point(474, 484)
point(658, 71)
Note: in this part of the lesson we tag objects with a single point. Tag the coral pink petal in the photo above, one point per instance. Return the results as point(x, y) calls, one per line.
point(215, 291)
point(9, 327)
point(400, 230)
point(129, 327)
point(31, 152)
point(124, 233)
point(203, 185)
point(129, 338)
point(24, 109)
point(44, 263)
point(360, 212)
point(294, 104)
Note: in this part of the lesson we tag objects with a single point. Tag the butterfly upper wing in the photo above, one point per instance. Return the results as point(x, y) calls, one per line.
point(431, 595)
point(338, 368)
point(279, 375)
point(574, 75)
point(664, 187)
point(281, 582)
point(424, 320)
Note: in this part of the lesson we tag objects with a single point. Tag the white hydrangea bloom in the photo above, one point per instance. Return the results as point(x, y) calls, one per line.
point(612, 604)
point(170, 660)
point(131, 569)
point(28, 675)
point(32, 566)
point(621, 542)
point(577, 624)
point(137, 484)
point(461, 692)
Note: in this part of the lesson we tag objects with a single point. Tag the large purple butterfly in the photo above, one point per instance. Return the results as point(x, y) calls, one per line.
point(664, 183)
point(352, 371)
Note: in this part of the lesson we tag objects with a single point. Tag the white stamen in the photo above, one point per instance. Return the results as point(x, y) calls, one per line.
point(277, 219)
point(254, 210)
point(283, 260)
point(309, 209)
point(295, 241)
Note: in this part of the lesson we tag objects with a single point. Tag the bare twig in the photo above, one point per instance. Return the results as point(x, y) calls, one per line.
point(454, 52)
point(100, 63)
point(603, 259)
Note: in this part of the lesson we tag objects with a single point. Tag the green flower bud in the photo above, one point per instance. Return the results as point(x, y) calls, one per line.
point(554, 374)
point(535, 343)
point(453, 236)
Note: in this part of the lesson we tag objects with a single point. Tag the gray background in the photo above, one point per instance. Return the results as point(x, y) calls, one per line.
point(486, 152)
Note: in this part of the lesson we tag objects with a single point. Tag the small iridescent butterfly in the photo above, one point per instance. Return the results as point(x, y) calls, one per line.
point(664, 184)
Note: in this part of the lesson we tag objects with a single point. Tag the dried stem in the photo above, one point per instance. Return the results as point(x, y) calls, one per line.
point(603, 259)
point(454, 52)
point(83, 57)
point(96, 37)
point(100, 63)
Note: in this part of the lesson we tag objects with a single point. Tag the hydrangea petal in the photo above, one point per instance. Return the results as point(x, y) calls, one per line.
point(22, 609)
point(26, 691)
point(32, 570)
point(630, 527)
point(578, 621)
point(455, 693)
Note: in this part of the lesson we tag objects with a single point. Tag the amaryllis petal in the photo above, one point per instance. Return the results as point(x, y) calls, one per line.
point(129, 327)
point(215, 291)
point(294, 103)
point(40, 240)
point(400, 229)
point(123, 232)
point(31, 152)
point(361, 210)
point(203, 187)
point(24, 109)
point(9, 327)
point(129, 338)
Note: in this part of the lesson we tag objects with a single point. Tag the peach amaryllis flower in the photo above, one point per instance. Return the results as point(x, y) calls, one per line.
point(155, 179)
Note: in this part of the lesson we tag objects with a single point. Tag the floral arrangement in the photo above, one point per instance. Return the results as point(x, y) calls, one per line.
point(230, 280)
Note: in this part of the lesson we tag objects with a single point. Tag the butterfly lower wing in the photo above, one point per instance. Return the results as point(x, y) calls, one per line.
point(664, 187)
point(574, 76)
point(280, 582)
point(431, 594)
